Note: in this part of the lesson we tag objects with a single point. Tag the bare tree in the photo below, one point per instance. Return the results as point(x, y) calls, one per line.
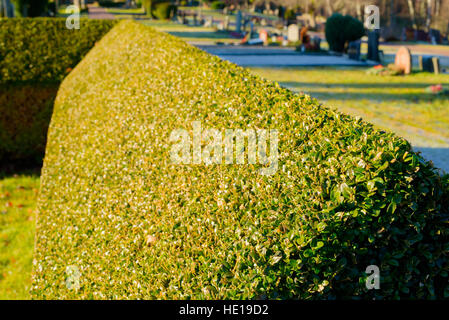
point(411, 8)
point(428, 14)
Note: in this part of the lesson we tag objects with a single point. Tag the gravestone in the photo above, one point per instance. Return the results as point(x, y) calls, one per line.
point(403, 60)
point(226, 23)
point(293, 33)
point(263, 35)
point(354, 50)
point(436, 65)
point(435, 36)
point(238, 21)
point(429, 64)
point(208, 23)
point(373, 45)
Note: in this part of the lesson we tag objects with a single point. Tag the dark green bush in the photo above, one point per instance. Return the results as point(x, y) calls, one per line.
point(290, 15)
point(26, 109)
point(111, 3)
point(342, 29)
point(43, 49)
point(218, 5)
point(35, 55)
point(114, 210)
point(164, 10)
point(30, 8)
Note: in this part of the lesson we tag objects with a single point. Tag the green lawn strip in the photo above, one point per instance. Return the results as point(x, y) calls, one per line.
point(391, 102)
point(17, 227)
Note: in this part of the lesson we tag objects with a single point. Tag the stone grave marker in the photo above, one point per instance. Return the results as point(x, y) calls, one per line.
point(226, 23)
point(354, 50)
point(435, 36)
point(403, 60)
point(238, 21)
point(373, 45)
point(293, 33)
point(436, 65)
point(263, 35)
point(429, 64)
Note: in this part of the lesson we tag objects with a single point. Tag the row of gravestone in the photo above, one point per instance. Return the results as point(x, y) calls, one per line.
point(373, 48)
point(403, 61)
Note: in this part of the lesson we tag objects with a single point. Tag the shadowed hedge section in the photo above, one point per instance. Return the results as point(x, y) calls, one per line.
point(35, 55)
point(117, 219)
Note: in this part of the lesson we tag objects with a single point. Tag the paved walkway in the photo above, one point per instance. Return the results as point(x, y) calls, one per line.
point(99, 13)
point(249, 56)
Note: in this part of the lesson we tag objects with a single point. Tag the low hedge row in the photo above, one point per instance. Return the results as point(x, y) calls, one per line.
point(26, 109)
point(43, 49)
point(118, 219)
point(35, 55)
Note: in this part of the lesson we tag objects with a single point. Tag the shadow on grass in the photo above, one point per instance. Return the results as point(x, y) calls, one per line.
point(201, 34)
point(360, 85)
point(379, 97)
point(17, 168)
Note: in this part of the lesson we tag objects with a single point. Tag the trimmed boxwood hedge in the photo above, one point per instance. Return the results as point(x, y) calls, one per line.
point(43, 49)
point(118, 220)
point(35, 55)
point(25, 112)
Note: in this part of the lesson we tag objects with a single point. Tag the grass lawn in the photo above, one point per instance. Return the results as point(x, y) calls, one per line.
point(394, 103)
point(17, 225)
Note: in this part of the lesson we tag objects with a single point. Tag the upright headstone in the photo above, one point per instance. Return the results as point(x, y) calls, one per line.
point(429, 64)
point(435, 36)
point(436, 65)
point(238, 21)
point(208, 23)
point(373, 45)
point(354, 50)
point(226, 23)
point(251, 27)
point(293, 33)
point(403, 60)
point(425, 64)
point(263, 35)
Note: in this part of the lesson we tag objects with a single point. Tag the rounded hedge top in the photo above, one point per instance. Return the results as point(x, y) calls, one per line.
point(118, 220)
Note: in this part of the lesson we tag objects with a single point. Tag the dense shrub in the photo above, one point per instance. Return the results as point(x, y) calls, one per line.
point(116, 214)
point(30, 8)
point(164, 10)
point(26, 109)
point(35, 55)
point(111, 3)
point(342, 29)
point(218, 5)
point(44, 49)
point(290, 15)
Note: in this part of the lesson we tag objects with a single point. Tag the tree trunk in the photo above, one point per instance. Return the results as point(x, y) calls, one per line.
point(329, 8)
point(411, 9)
point(428, 15)
point(392, 13)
